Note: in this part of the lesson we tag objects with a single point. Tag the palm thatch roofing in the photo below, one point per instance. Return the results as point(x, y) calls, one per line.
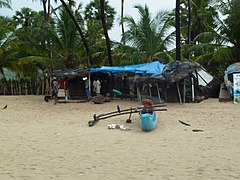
point(177, 70)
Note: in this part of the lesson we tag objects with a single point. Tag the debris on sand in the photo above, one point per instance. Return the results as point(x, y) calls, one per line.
point(197, 130)
point(186, 124)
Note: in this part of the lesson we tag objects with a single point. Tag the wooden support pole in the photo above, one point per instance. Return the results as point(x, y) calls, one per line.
point(159, 97)
point(89, 84)
point(179, 95)
point(11, 86)
point(193, 92)
point(139, 95)
point(184, 90)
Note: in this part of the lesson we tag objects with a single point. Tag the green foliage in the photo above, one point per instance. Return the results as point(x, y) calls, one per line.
point(149, 35)
point(233, 23)
point(125, 55)
point(29, 43)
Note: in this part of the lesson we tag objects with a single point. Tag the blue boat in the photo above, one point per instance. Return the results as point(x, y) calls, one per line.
point(148, 121)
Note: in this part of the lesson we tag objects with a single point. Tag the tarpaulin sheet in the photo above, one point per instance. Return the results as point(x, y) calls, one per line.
point(147, 68)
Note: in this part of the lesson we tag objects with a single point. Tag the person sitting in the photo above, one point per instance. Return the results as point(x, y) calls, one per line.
point(148, 106)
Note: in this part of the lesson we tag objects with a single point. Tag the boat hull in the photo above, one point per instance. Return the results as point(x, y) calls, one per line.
point(148, 121)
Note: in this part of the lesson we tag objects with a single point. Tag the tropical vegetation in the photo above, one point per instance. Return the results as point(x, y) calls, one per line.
point(33, 43)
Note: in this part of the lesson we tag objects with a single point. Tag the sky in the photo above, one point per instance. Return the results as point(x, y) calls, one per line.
point(154, 7)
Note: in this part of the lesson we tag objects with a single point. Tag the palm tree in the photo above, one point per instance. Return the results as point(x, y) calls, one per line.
point(7, 27)
point(5, 3)
point(24, 17)
point(150, 35)
point(85, 43)
point(203, 16)
point(66, 41)
point(219, 46)
point(20, 49)
point(46, 7)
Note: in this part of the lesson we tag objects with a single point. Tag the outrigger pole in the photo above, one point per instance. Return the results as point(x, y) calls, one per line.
point(122, 112)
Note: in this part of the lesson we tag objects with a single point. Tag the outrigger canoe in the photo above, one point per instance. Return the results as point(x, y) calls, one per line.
point(148, 121)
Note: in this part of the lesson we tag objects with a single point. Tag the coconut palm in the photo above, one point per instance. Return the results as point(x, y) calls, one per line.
point(20, 49)
point(150, 35)
point(67, 6)
point(66, 41)
point(7, 27)
point(203, 13)
point(80, 31)
point(219, 48)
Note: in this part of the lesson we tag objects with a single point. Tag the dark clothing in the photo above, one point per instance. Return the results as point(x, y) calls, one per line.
point(54, 88)
point(147, 109)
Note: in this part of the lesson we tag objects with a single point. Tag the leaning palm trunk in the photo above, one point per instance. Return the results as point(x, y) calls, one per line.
point(90, 63)
point(104, 24)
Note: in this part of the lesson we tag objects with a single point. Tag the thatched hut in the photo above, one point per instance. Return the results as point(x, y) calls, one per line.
point(72, 81)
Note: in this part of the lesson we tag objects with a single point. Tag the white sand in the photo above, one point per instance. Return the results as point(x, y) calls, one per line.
point(42, 141)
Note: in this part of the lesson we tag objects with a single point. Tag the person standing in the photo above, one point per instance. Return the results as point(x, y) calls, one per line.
point(94, 87)
point(54, 90)
point(87, 87)
point(98, 87)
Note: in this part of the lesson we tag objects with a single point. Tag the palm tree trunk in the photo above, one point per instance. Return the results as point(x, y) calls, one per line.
point(122, 7)
point(189, 21)
point(104, 24)
point(48, 11)
point(44, 9)
point(189, 24)
point(90, 63)
point(177, 26)
point(20, 87)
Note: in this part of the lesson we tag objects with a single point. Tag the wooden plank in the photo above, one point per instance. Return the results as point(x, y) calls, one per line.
point(223, 94)
point(72, 101)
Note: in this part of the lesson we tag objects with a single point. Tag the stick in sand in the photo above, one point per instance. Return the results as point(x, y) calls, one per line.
point(186, 124)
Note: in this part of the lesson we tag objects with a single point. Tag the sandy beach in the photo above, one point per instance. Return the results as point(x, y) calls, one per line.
point(42, 141)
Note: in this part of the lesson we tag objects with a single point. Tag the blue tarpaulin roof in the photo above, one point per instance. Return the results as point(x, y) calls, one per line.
point(233, 68)
point(147, 68)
